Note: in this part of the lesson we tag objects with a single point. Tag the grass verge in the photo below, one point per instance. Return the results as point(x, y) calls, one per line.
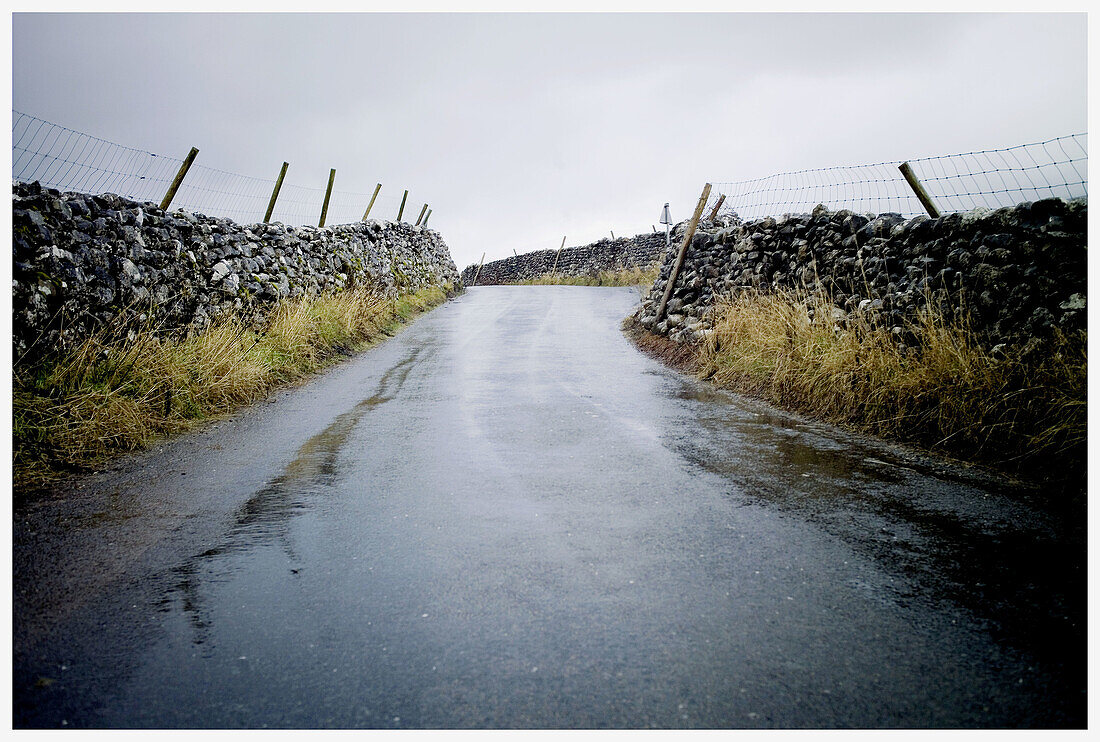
point(636, 276)
point(107, 397)
point(1023, 413)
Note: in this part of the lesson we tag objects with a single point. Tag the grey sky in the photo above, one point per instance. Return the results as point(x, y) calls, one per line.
point(519, 129)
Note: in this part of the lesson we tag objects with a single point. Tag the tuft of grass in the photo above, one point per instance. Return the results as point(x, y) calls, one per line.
point(109, 396)
point(1022, 411)
point(636, 276)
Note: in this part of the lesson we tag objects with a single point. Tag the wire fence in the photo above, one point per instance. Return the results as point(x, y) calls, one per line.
point(67, 160)
point(990, 178)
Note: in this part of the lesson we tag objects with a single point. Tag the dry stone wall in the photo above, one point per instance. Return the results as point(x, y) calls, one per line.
point(81, 263)
point(1015, 274)
point(585, 260)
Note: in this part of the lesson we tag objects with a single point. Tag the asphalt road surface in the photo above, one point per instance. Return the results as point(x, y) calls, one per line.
point(507, 516)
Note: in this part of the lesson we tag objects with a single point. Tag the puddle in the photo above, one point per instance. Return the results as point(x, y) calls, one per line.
point(983, 546)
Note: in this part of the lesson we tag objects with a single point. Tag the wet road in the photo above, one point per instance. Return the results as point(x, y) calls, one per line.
point(506, 516)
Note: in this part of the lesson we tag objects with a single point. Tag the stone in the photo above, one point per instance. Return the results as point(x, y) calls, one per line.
point(131, 271)
point(1075, 301)
point(58, 254)
point(221, 270)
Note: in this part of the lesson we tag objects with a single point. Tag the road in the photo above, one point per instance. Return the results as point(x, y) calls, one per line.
point(507, 516)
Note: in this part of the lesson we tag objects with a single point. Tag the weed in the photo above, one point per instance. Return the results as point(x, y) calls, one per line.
point(107, 396)
point(635, 276)
point(949, 394)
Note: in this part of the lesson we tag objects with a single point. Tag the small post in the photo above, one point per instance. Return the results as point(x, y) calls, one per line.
point(402, 209)
point(717, 206)
point(514, 252)
point(683, 250)
point(366, 213)
point(666, 219)
point(654, 228)
point(478, 269)
point(922, 195)
point(554, 270)
point(328, 193)
point(179, 179)
point(426, 218)
point(420, 218)
point(275, 193)
point(612, 233)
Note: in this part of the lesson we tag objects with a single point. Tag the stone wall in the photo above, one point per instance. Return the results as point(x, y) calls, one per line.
point(82, 262)
point(1014, 273)
point(585, 260)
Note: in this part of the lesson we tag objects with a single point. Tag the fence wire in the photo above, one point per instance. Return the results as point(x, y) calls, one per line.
point(67, 160)
point(989, 178)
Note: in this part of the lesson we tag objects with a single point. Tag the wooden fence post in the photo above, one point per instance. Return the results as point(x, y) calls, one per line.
point(328, 192)
point(478, 269)
point(420, 218)
point(366, 213)
point(178, 179)
point(275, 193)
point(554, 270)
point(918, 189)
point(683, 250)
point(402, 209)
point(717, 206)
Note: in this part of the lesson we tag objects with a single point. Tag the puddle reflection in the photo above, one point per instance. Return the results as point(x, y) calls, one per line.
point(1017, 568)
point(266, 516)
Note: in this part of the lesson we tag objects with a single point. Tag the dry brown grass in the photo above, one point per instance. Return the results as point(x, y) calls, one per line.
point(107, 396)
point(952, 396)
point(636, 276)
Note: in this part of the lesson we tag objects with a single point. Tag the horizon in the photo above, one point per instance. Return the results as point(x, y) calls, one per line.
point(519, 129)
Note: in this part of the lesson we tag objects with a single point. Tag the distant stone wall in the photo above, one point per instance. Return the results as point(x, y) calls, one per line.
point(81, 262)
point(585, 260)
point(1014, 273)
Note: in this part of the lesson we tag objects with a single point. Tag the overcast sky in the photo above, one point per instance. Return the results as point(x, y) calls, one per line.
point(520, 129)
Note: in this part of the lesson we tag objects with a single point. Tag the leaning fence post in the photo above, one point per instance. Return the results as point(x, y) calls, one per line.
point(275, 193)
point(554, 270)
point(474, 283)
point(402, 209)
point(179, 179)
point(328, 192)
point(683, 250)
point(420, 218)
point(426, 216)
point(377, 188)
point(717, 206)
point(918, 189)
